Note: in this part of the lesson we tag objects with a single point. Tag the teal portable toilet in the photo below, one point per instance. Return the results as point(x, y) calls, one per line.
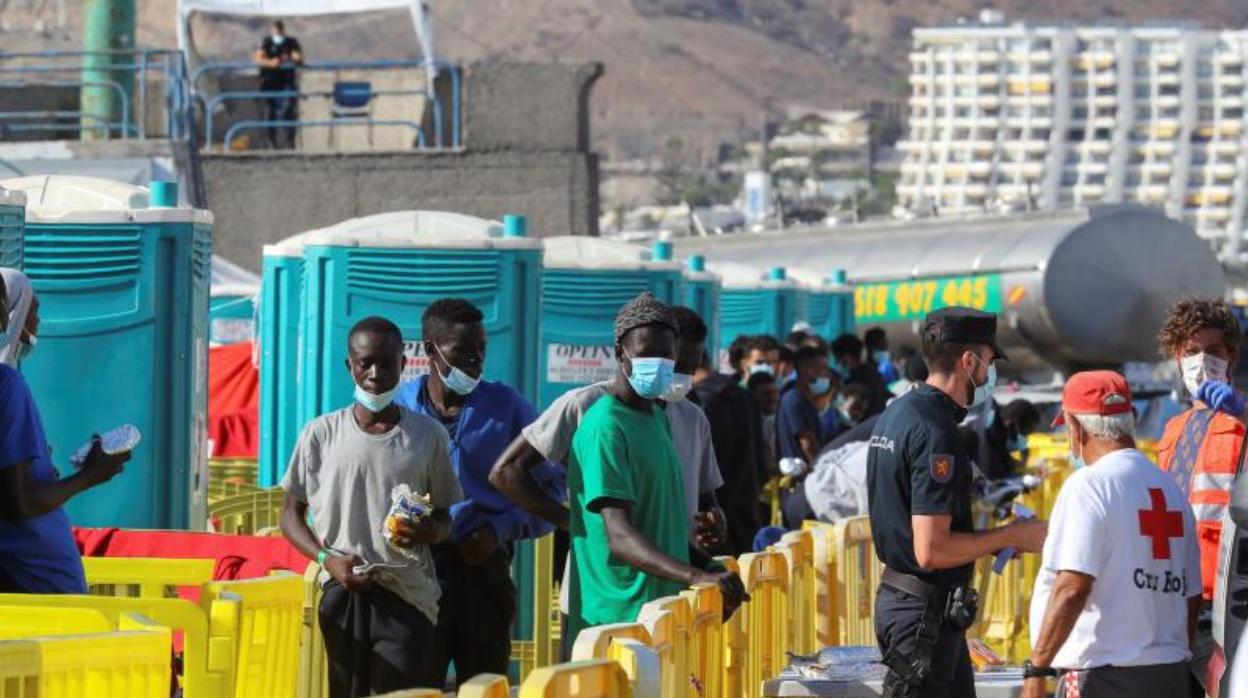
point(12, 227)
point(755, 302)
point(395, 265)
point(279, 347)
point(122, 279)
point(827, 303)
point(232, 303)
point(702, 294)
point(586, 282)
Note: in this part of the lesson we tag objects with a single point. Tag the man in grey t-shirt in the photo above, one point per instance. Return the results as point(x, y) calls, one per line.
point(379, 624)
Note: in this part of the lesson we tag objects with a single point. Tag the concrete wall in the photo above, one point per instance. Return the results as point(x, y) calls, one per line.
point(526, 131)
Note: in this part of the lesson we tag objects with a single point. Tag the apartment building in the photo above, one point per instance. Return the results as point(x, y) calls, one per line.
point(1032, 116)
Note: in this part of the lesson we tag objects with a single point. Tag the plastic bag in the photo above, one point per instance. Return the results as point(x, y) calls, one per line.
point(404, 506)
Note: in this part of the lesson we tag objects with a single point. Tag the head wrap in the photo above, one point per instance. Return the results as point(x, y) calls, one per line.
point(18, 296)
point(644, 310)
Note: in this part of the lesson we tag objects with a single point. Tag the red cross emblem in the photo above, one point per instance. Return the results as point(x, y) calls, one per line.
point(1160, 524)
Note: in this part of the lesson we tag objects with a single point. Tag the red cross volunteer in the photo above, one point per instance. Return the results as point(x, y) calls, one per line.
point(1119, 586)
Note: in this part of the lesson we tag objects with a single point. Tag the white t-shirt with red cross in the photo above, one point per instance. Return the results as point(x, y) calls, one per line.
point(1122, 521)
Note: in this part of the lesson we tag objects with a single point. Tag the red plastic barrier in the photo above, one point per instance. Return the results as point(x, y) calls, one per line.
point(238, 557)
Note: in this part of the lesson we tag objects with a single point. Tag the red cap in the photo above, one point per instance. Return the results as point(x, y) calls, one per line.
point(1094, 392)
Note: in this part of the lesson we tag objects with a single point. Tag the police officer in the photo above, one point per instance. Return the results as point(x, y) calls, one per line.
point(919, 495)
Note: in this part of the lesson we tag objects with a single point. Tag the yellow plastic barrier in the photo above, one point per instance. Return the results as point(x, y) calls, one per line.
point(798, 548)
point(313, 667)
point(543, 648)
point(231, 476)
point(266, 623)
point(677, 672)
point(17, 622)
point(485, 686)
point(736, 644)
point(855, 578)
point(109, 665)
point(594, 678)
point(642, 666)
point(766, 578)
point(206, 658)
point(250, 514)
point(705, 644)
point(595, 642)
point(824, 563)
point(666, 641)
point(151, 578)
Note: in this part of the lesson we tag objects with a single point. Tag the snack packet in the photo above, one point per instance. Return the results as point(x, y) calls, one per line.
point(405, 506)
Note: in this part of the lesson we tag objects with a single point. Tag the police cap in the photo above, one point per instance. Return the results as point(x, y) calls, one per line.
point(963, 326)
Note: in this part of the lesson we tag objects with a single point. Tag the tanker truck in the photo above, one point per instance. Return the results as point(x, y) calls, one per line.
point(1073, 290)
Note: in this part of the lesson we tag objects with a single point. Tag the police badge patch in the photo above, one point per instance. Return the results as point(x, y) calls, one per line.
point(942, 467)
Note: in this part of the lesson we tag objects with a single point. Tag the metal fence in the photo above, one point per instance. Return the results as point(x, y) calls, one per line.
point(142, 94)
point(121, 94)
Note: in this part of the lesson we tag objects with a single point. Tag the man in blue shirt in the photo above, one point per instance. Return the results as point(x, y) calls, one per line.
point(37, 550)
point(482, 417)
point(799, 433)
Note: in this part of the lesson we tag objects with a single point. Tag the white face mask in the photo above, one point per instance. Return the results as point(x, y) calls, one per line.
point(1202, 367)
point(277, 38)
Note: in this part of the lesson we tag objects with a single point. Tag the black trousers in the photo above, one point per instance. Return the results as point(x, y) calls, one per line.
point(375, 642)
point(1153, 681)
point(282, 109)
point(897, 617)
point(475, 614)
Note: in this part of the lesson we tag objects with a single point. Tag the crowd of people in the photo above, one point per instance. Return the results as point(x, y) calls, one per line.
point(651, 474)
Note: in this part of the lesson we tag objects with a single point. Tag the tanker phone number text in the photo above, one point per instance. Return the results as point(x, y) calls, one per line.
point(914, 299)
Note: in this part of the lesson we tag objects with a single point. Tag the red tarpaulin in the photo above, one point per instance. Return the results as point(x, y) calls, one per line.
point(238, 557)
point(233, 401)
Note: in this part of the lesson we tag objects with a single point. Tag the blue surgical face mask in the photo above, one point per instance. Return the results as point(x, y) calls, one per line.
point(375, 402)
point(456, 380)
point(1076, 461)
point(881, 356)
point(983, 392)
point(762, 368)
point(651, 377)
point(840, 370)
point(821, 385)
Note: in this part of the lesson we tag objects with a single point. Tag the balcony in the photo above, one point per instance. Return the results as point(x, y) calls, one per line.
point(1165, 129)
point(1167, 60)
point(989, 101)
point(1105, 122)
point(983, 146)
point(1209, 195)
point(1231, 80)
point(1168, 101)
point(1029, 121)
point(979, 169)
point(987, 80)
point(1168, 79)
point(1094, 59)
point(1222, 171)
point(1095, 147)
point(1029, 170)
point(1105, 100)
point(1230, 128)
point(1105, 79)
point(920, 56)
point(1092, 167)
point(976, 191)
point(1036, 85)
point(1159, 168)
point(955, 171)
point(1228, 58)
point(1225, 147)
point(1152, 193)
point(1090, 191)
point(1158, 148)
point(1214, 214)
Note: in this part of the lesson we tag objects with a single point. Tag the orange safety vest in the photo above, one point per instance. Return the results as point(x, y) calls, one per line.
point(1209, 487)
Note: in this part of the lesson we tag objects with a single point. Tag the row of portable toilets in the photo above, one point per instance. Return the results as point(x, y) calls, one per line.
point(123, 279)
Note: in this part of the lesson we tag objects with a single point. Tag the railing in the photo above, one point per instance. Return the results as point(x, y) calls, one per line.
point(352, 121)
point(216, 102)
point(125, 81)
point(210, 104)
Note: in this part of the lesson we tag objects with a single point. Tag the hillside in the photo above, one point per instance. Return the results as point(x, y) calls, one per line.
point(702, 70)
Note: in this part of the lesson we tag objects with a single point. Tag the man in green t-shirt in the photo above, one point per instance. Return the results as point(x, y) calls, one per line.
point(629, 525)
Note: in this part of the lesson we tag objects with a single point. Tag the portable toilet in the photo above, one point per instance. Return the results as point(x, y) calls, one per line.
point(754, 302)
point(395, 265)
point(233, 293)
point(702, 294)
point(12, 227)
point(122, 279)
point(827, 302)
point(586, 282)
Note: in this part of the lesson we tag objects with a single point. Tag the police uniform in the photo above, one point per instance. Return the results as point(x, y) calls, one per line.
point(916, 465)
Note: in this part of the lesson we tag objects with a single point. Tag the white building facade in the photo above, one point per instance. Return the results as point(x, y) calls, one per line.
point(1025, 116)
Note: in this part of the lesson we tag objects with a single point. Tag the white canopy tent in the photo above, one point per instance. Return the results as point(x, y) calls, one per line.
point(419, 10)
